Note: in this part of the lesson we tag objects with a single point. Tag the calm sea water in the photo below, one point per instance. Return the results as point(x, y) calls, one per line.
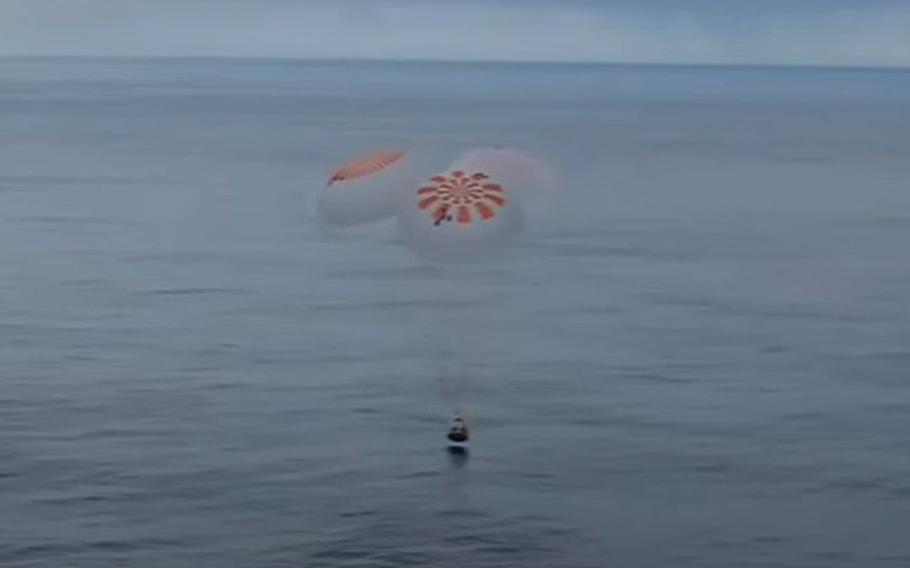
point(702, 360)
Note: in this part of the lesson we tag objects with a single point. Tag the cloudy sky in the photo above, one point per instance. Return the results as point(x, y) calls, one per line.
point(826, 32)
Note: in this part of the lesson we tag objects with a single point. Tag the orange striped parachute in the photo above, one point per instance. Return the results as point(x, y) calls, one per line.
point(367, 188)
point(460, 214)
point(470, 197)
point(363, 166)
point(470, 208)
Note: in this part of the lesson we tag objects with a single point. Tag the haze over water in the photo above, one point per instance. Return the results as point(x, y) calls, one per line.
point(703, 359)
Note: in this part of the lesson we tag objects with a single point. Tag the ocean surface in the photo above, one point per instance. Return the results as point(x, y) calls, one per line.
point(700, 359)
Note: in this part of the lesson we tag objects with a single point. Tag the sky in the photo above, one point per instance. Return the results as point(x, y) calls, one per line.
point(786, 32)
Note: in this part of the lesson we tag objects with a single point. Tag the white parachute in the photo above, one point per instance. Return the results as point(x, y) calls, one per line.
point(470, 210)
point(367, 188)
point(461, 214)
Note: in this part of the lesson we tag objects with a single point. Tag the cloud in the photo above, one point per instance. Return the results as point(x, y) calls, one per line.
point(835, 32)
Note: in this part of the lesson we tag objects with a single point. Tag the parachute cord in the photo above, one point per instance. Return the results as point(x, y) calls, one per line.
point(452, 353)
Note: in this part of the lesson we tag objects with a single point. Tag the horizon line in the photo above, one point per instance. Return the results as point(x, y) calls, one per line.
point(445, 61)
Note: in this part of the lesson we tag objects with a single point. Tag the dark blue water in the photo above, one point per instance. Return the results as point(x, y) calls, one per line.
point(702, 360)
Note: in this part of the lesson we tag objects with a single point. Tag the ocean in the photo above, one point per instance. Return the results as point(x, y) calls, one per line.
point(700, 359)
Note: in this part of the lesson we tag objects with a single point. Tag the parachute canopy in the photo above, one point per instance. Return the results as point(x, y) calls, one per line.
point(461, 214)
point(467, 210)
point(471, 197)
point(367, 189)
point(363, 166)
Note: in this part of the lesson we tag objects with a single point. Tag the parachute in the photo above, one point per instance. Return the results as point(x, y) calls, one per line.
point(461, 214)
point(367, 188)
point(365, 165)
point(470, 210)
